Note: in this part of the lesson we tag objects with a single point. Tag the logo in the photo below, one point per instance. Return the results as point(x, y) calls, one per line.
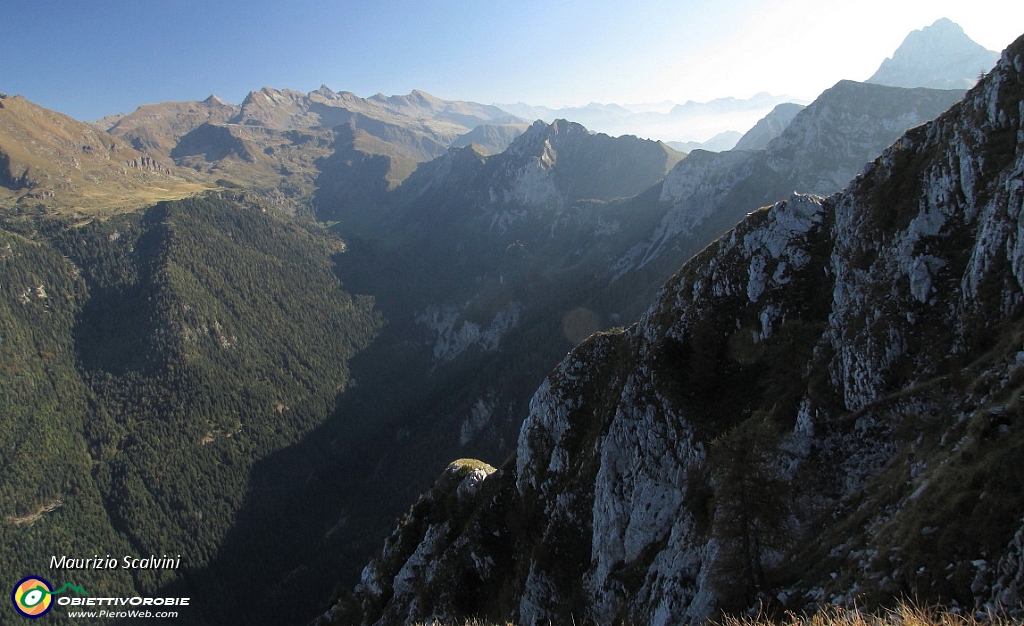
point(33, 596)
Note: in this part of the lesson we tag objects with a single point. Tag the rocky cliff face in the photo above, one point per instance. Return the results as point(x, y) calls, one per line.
point(822, 406)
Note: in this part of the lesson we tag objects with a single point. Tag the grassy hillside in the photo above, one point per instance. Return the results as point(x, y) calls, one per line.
point(52, 163)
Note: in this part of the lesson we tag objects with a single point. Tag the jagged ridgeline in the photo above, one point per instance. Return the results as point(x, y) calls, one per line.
point(823, 406)
point(149, 361)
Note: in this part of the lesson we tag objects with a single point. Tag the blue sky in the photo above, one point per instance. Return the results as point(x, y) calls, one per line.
point(89, 58)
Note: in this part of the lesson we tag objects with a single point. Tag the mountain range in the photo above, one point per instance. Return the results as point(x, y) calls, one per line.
point(254, 333)
point(821, 407)
point(308, 152)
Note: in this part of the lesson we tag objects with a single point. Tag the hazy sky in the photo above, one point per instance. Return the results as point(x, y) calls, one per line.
point(90, 58)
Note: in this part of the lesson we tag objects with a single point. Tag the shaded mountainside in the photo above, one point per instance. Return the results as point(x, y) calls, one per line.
point(823, 406)
point(479, 270)
point(141, 385)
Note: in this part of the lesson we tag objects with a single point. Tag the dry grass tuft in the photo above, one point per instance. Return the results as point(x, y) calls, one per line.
point(904, 615)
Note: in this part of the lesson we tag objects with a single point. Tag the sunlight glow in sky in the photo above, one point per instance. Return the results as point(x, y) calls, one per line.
point(90, 58)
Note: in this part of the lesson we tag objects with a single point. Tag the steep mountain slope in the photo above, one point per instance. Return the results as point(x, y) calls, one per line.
point(940, 56)
point(157, 128)
point(768, 127)
point(482, 256)
point(822, 406)
point(142, 386)
point(49, 161)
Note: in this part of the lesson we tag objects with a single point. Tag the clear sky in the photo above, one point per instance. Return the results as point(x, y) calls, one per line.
point(90, 58)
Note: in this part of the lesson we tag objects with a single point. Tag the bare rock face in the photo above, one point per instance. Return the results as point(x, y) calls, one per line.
point(823, 406)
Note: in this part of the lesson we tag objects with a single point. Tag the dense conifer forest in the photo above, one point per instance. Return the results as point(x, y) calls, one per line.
point(184, 343)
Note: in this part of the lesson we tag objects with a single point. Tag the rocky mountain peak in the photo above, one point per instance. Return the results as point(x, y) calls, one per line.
point(213, 100)
point(325, 92)
point(940, 56)
point(424, 97)
point(541, 135)
point(280, 109)
point(563, 162)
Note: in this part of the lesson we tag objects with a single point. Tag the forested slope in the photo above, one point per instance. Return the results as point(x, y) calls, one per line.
point(150, 360)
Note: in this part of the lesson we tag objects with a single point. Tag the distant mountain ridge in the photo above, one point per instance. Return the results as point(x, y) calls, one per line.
point(322, 149)
point(719, 143)
point(691, 121)
point(940, 56)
